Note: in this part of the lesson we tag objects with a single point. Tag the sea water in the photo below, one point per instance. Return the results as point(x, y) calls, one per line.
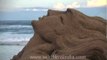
point(8, 51)
point(13, 35)
point(15, 31)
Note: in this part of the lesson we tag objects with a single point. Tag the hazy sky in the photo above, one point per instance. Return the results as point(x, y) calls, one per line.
point(32, 9)
point(51, 4)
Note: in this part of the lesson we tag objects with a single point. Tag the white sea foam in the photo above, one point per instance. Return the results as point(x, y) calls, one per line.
point(15, 33)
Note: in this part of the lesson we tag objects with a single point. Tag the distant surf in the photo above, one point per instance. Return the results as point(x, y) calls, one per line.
point(15, 32)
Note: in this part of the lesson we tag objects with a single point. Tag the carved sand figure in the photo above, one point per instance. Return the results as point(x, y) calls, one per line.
point(66, 33)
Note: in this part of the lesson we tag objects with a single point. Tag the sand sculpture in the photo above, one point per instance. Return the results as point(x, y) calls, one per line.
point(66, 33)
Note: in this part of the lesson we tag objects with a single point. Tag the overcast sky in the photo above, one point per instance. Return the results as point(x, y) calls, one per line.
point(32, 9)
point(51, 4)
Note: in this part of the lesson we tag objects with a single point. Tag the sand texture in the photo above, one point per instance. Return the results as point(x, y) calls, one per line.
point(66, 33)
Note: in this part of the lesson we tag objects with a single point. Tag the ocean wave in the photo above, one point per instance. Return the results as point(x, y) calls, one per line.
point(15, 37)
point(15, 22)
point(16, 29)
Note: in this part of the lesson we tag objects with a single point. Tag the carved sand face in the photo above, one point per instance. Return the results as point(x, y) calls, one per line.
point(68, 33)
